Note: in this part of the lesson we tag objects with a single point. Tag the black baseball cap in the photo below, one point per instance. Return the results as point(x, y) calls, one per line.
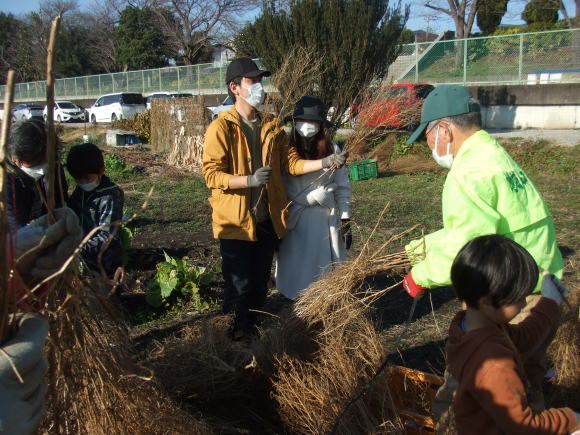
point(244, 67)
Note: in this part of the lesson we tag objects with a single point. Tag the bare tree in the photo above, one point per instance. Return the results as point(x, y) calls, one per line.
point(462, 12)
point(101, 41)
point(191, 25)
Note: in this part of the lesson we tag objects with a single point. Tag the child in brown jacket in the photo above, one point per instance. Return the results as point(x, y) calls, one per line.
point(493, 275)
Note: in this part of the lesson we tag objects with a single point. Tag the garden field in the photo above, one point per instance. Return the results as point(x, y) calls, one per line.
point(176, 223)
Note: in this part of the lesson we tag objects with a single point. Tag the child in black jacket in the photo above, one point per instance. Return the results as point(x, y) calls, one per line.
point(98, 202)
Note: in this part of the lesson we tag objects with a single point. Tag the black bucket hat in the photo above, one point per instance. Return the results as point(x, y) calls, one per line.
point(311, 108)
point(244, 67)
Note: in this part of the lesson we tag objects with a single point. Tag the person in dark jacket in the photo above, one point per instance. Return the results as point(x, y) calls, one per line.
point(26, 169)
point(99, 203)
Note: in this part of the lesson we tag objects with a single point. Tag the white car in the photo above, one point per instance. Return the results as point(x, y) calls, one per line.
point(226, 105)
point(25, 111)
point(110, 107)
point(65, 111)
point(155, 95)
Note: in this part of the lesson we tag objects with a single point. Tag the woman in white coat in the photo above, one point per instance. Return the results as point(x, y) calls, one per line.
point(319, 211)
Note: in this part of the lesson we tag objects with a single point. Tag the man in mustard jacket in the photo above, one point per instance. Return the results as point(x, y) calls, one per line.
point(244, 156)
point(485, 192)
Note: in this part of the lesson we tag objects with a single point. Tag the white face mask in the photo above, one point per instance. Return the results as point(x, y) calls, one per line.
point(88, 187)
point(307, 129)
point(447, 160)
point(256, 94)
point(35, 172)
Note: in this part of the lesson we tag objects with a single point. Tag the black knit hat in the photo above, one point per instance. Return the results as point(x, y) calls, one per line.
point(311, 108)
point(244, 67)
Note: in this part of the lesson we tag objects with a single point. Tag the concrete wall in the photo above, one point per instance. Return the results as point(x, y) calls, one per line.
point(522, 117)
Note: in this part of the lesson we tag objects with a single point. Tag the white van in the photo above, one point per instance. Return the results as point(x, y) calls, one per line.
point(110, 107)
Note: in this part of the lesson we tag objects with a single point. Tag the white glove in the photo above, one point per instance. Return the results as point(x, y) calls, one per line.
point(553, 289)
point(23, 404)
point(42, 250)
point(322, 195)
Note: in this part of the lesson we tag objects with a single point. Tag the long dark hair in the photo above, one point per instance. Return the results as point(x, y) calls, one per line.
point(311, 148)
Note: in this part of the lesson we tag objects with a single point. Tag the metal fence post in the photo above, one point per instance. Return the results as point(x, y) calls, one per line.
point(416, 62)
point(159, 78)
point(113, 81)
point(198, 88)
point(465, 42)
point(521, 58)
point(143, 81)
point(100, 92)
point(178, 84)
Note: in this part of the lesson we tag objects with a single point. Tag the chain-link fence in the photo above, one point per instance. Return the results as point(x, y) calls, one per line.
point(541, 57)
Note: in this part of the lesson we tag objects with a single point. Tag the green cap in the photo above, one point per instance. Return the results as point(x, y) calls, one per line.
point(443, 101)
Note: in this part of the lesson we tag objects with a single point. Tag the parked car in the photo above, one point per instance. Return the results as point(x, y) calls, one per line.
point(226, 104)
point(399, 108)
point(65, 111)
point(155, 95)
point(110, 107)
point(25, 111)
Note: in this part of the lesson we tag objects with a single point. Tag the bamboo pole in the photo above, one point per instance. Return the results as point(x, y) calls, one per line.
point(4, 234)
point(51, 146)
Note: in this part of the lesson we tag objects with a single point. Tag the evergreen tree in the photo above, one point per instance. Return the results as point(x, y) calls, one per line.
point(489, 15)
point(140, 41)
point(541, 12)
point(357, 40)
point(72, 57)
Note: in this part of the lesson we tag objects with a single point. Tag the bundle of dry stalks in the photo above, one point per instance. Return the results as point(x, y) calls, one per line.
point(178, 126)
point(94, 385)
point(328, 348)
point(373, 122)
point(202, 363)
point(565, 349)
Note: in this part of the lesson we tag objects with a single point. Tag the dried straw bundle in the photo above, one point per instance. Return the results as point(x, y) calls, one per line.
point(187, 152)
point(94, 385)
point(566, 353)
point(175, 121)
point(203, 364)
point(329, 348)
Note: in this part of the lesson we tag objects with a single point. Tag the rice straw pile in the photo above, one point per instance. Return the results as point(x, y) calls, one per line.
point(565, 350)
point(329, 347)
point(94, 385)
point(202, 363)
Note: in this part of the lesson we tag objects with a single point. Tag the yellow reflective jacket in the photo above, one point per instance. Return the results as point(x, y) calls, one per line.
point(226, 153)
point(486, 192)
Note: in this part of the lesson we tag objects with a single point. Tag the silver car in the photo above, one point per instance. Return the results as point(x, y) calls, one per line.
point(25, 111)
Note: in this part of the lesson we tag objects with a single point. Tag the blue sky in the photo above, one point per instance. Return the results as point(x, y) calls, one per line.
point(419, 19)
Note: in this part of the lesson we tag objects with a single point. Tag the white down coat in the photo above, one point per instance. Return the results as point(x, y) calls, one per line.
point(319, 201)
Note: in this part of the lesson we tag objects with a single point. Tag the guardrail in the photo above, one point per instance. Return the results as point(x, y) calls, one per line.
point(539, 57)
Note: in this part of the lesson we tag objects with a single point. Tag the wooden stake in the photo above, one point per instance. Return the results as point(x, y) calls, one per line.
point(51, 146)
point(5, 302)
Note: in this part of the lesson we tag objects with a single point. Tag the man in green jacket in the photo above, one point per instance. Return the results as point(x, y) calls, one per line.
point(485, 192)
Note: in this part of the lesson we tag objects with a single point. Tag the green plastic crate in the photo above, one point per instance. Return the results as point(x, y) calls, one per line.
point(363, 170)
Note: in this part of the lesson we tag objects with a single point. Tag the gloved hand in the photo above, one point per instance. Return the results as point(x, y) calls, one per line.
point(411, 287)
point(346, 233)
point(42, 250)
point(261, 176)
point(322, 195)
point(23, 404)
point(553, 289)
point(335, 160)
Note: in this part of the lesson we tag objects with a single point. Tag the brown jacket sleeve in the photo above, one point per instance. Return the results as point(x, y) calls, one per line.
point(536, 327)
point(501, 393)
point(216, 165)
point(291, 162)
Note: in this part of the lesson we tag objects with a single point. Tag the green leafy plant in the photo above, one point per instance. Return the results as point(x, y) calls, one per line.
point(114, 164)
point(178, 278)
